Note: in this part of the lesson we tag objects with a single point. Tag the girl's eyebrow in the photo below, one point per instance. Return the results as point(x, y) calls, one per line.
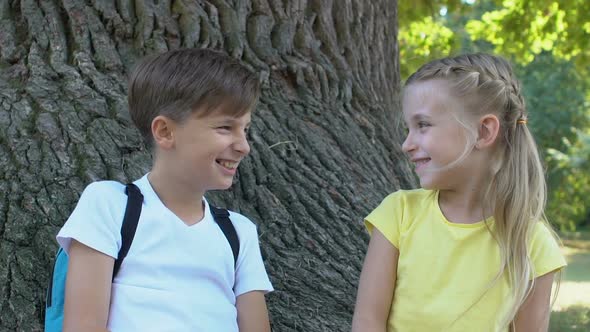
point(420, 116)
point(416, 117)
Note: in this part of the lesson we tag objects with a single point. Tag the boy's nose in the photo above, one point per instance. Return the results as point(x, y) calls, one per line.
point(241, 145)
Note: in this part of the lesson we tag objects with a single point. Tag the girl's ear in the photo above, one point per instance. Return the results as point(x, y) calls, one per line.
point(489, 128)
point(163, 132)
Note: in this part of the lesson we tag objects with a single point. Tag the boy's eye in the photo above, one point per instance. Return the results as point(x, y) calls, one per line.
point(224, 128)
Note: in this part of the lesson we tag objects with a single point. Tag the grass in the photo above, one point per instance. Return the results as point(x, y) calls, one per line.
point(574, 318)
point(571, 311)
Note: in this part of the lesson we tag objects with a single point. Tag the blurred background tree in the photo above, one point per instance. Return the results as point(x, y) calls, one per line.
point(548, 42)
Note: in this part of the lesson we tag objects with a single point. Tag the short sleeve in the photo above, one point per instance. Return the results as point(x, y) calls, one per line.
point(250, 271)
point(96, 220)
point(545, 253)
point(387, 218)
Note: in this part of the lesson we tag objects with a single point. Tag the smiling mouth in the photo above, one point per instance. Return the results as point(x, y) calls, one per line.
point(419, 163)
point(228, 164)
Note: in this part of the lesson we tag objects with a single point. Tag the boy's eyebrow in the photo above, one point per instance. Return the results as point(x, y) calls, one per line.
point(229, 119)
point(225, 120)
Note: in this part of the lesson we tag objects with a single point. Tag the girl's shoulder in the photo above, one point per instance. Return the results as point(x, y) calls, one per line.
point(542, 236)
point(544, 249)
point(410, 196)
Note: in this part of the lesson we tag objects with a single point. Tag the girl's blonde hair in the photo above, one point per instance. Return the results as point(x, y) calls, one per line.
point(516, 191)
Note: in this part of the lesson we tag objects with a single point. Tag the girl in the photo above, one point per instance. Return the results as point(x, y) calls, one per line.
point(471, 250)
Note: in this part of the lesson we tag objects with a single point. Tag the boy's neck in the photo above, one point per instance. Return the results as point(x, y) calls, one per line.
point(178, 197)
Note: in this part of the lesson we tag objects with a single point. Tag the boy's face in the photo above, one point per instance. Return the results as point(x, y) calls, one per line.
point(208, 149)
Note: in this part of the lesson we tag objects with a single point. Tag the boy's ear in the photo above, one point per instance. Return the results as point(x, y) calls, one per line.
point(163, 132)
point(489, 128)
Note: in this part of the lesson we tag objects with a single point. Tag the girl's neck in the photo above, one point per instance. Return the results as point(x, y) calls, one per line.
point(464, 207)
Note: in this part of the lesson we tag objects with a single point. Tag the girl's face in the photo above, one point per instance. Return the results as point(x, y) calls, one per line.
point(436, 140)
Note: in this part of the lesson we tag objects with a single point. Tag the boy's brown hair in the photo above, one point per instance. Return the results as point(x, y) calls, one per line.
point(182, 82)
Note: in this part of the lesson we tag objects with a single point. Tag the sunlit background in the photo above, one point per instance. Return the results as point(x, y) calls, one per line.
point(549, 44)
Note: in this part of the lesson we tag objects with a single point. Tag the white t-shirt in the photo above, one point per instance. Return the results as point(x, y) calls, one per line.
point(175, 277)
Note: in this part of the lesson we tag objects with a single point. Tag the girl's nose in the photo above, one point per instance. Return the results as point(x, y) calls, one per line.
point(407, 145)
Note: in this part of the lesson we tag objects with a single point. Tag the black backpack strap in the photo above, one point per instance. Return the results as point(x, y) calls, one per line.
point(130, 221)
point(221, 217)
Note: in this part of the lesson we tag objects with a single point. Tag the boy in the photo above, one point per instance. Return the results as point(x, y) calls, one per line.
point(193, 109)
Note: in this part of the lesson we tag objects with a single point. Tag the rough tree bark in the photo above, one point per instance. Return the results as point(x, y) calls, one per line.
point(325, 149)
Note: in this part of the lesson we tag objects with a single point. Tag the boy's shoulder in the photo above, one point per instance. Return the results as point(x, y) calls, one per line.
point(241, 221)
point(105, 186)
point(103, 194)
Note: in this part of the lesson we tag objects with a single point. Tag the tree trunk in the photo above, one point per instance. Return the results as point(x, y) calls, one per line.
point(325, 148)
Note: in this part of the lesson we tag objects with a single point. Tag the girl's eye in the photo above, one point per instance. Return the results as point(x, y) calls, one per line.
point(423, 124)
point(224, 128)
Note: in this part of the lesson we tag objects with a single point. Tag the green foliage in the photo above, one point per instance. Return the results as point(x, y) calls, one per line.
point(416, 44)
point(574, 318)
point(556, 99)
point(556, 96)
point(549, 40)
point(569, 184)
point(525, 28)
point(424, 33)
point(411, 11)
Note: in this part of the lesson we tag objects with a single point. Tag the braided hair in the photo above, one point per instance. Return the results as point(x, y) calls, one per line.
point(516, 192)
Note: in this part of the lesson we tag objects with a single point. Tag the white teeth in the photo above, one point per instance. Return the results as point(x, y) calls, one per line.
point(228, 164)
point(422, 162)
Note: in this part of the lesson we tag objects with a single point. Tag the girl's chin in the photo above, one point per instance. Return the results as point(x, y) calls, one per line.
point(426, 184)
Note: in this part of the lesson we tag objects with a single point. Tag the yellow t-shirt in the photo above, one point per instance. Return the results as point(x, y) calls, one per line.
point(444, 268)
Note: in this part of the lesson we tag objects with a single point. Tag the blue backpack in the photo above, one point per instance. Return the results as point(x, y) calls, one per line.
point(54, 305)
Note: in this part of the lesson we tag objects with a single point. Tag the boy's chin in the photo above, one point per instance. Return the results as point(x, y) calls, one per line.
point(223, 186)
